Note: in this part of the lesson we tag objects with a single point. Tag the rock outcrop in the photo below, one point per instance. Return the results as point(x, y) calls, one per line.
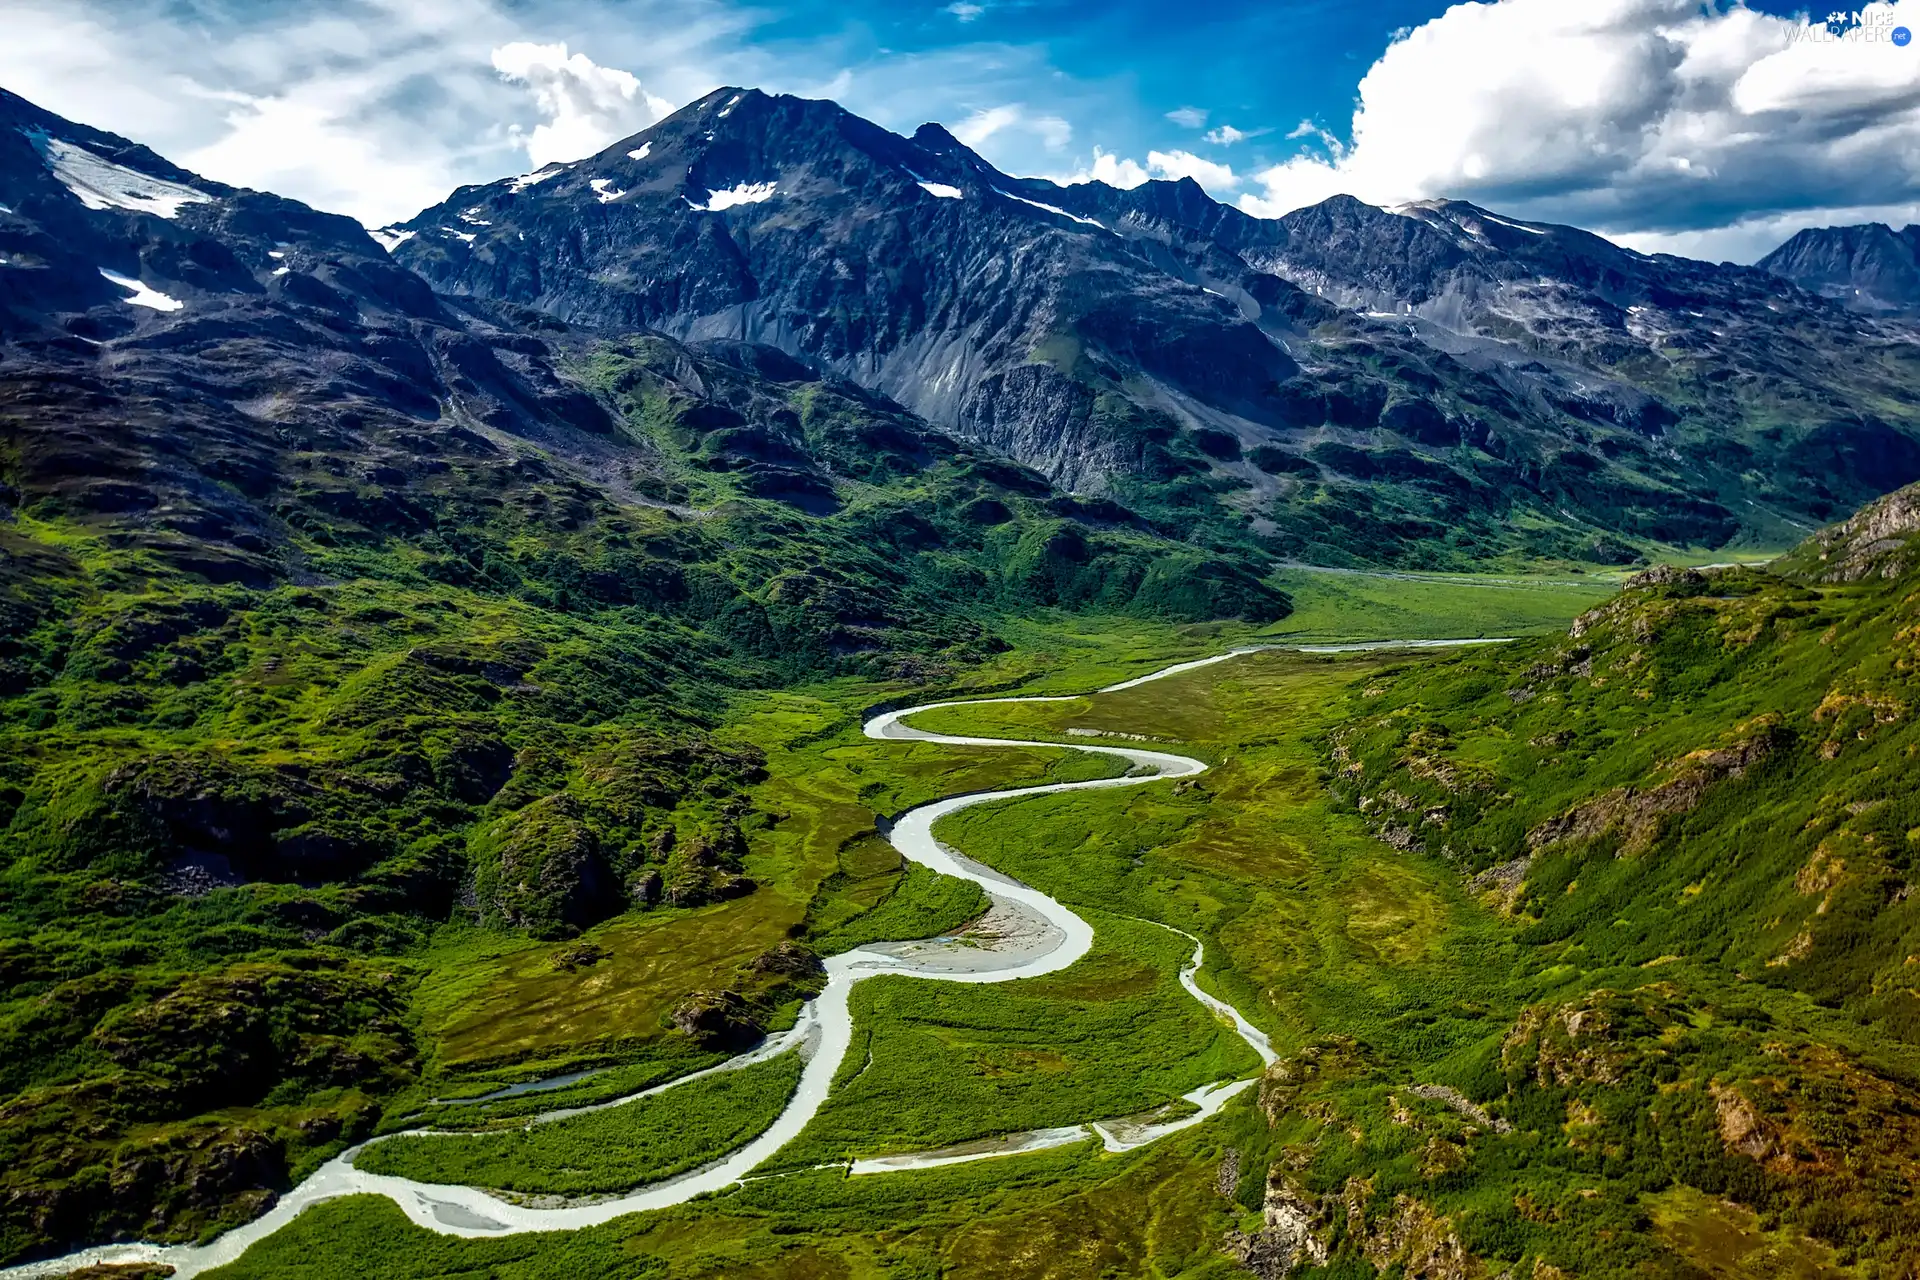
point(723, 1020)
point(1875, 542)
point(1870, 267)
point(1636, 813)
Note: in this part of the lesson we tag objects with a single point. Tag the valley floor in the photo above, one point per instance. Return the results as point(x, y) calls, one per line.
point(1390, 993)
point(1324, 936)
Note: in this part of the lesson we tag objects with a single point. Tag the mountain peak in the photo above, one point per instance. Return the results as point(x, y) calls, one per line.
point(1867, 267)
point(936, 137)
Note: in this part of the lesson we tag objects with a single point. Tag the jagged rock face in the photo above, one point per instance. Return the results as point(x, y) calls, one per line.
point(1870, 268)
point(1679, 351)
point(189, 367)
point(900, 262)
point(1088, 331)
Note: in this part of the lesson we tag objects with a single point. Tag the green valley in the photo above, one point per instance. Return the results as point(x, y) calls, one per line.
point(1668, 1044)
point(778, 701)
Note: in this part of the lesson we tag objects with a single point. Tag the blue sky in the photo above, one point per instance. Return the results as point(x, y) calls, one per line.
point(1710, 128)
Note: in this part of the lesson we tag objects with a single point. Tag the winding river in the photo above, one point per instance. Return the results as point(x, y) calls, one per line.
point(1035, 935)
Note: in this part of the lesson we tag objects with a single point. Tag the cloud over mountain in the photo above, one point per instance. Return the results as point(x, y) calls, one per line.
point(586, 105)
point(1651, 115)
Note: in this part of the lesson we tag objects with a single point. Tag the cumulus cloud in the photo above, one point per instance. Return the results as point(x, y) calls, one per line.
point(1648, 116)
point(1126, 173)
point(1226, 135)
point(1115, 171)
point(1184, 164)
point(372, 108)
point(306, 142)
point(586, 105)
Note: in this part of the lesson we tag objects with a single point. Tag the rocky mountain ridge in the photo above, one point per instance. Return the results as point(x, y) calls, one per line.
point(1869, 268)
point(199, 371)
point(1429, 383)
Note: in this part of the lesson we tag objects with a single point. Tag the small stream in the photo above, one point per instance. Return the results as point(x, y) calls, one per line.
point(1038, 936)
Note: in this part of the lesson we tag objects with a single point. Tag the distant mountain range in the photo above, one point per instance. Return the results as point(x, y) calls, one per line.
point(1432, 385)
point(1869, 268)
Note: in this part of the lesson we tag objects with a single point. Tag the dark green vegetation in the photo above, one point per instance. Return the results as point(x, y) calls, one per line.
point(1579, 1011)
point(920, 904)
point(1698, 810)
point(934, 1064)
point(611, 1150)
point(1338, 604)
point(945, 527)
point(479, 692)
point(1308, 923)
point(1686, 995)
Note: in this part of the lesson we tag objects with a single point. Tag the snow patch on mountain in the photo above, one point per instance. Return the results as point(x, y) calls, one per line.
point(1532, 231)
point(534, 179)
point(390, 238)
point(1091, 222)
point(143, 296)
point(942, 190)
point(603, 190)
point(745, 193)
point(102, 184)
point(640, 152)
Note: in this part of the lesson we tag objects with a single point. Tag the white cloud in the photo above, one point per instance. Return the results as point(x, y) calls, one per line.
point(305, 143)
point(372, 108)
point(965, 12)
point(587, 105)
point(983, 124)
point(1053, 131)
point(1226, 135)
point(1184, 164)
point(1638, 116)
point(1113, 170)
point(1188, 117)
point(1126, 173)
point(1116, 171)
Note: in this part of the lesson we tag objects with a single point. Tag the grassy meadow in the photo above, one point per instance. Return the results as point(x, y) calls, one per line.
point(1372, 969)
point(607, 1151)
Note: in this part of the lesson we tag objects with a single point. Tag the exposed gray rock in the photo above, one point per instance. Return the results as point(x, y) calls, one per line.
point(1868, 267)
point(1461, 1103)
point(1105, 336)
point(1876, 542)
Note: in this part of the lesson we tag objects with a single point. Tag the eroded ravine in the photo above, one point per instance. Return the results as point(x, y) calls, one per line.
point(1042, 936)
